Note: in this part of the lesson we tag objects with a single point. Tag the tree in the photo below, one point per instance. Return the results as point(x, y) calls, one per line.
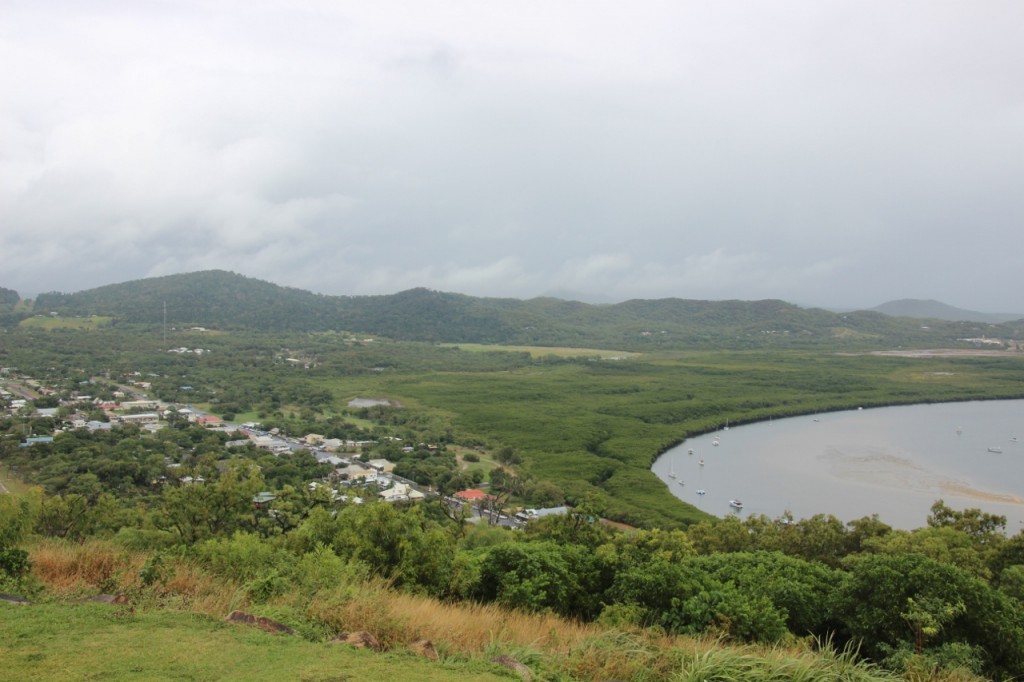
point(989, 621)
point(534, 576)
point(64, 516)
point(215, 508)
point(927, 616)
point(985, 528)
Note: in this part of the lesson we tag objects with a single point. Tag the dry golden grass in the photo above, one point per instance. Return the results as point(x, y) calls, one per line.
point(99, 566)
point(584, 651)
point(71, 569)
point(466, 627)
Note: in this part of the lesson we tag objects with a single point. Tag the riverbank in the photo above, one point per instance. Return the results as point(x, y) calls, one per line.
point(894, 462)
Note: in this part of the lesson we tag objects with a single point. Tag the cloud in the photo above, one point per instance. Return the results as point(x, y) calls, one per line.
point(822, 152)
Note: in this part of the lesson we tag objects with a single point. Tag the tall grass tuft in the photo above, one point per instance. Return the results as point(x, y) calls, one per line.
point(73, 569)
point(748, 664)
point(396, 617)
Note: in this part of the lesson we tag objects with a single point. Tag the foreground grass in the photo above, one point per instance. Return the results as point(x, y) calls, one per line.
point(176, 630)
point(60, 641)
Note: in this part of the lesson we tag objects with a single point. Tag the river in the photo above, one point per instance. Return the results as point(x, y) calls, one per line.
point(891, 461)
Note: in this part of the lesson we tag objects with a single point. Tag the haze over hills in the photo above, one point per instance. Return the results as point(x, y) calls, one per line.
point(220, 299)
point(936, 310)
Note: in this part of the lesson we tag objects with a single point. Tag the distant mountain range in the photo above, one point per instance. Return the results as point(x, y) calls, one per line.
point(935, 310)
point(223, 300)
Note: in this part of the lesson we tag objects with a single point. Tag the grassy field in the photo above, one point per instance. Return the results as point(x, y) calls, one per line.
point(596, 426)
point(85, 641)
point(79, 323)
point(544, 351)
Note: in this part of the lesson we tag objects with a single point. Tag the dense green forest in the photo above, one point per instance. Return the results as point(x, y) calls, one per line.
point(535, 426)
point(223, 300)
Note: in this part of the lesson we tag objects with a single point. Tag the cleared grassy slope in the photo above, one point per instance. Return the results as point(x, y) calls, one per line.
point(57, 641)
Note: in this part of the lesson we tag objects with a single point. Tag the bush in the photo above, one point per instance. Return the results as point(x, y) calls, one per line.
point(14, 563)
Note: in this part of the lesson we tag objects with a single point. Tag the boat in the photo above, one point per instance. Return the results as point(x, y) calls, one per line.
point(715, 442)
point(672, 468)
point(701, 462)
point(690, 451)
point(681, 482)
point(726, 425)
point(995, 448)
point(735, 504)
point(701, 491)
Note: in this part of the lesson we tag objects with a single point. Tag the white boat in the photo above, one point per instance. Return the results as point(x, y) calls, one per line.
point(735, 504)
point(715, 442)
point(672, 468)
point(995, 448)
point(681, 482)
point(700, 491)
point(690, 451)
point(701, 462)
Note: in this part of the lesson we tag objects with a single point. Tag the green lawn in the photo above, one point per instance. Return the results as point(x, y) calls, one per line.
point(103, 642)
point(542, 351)
point(50, 323)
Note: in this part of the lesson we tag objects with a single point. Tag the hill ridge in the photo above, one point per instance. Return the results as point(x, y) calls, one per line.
point(227, 300)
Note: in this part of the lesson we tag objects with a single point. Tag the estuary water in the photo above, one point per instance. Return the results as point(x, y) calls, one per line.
point(890, 461)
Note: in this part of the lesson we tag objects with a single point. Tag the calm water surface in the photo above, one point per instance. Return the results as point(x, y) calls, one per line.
point(892, 461)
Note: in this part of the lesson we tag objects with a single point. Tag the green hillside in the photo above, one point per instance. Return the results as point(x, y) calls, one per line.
point(224, 300)
point(61, 641)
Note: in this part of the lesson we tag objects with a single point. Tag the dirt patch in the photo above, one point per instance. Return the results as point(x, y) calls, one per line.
point(941, 353)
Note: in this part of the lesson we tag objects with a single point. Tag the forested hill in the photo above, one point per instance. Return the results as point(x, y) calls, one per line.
point(911, 307)
point(8, 298)
point(224, 300)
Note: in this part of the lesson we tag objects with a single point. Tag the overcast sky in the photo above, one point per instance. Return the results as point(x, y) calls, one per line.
point(832, 153)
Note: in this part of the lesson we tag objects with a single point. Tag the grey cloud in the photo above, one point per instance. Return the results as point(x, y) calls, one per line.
point(829, 153)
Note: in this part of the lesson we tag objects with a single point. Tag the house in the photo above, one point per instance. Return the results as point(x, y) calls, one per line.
point(209, 420)
point(332, 444)
point(35, 440)
point(139, 405)
point(262, 499)
point(141, 418)
point(382, 465)
point(400, 492)
point(529, 514)
point(355, 472)
point(313, 439)
point(474, 495)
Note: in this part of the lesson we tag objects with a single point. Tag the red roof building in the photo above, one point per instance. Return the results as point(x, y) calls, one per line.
point(473, 495)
